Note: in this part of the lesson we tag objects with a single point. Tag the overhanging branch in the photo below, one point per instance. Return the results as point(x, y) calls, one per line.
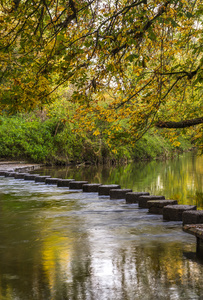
point(180, 124)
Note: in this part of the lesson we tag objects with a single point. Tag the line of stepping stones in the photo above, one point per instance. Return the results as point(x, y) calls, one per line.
point(170, 209)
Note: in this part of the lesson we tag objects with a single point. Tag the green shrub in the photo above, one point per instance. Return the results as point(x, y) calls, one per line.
point(28, 139)
point(50, 140)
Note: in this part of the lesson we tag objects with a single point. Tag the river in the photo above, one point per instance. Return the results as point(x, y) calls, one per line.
point(58, 244)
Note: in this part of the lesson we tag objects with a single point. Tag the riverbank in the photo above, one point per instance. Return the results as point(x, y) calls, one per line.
point(49, 142)
point(18, 165)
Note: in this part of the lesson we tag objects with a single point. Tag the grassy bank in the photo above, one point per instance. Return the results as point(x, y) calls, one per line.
point(52, 141)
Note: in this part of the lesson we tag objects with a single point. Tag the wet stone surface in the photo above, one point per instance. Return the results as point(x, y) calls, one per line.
point(144, 199)
point(10, 174)
point(51, 180)
point(20, 175)
point(41, 178)
point(193, 217)
point(105, 189)
point(30, 176)
point(77, 185)
point(133, 197)
point(175, 212)
point(64, 182)
point(91, 187)
point(156, 206)
point(119, 193)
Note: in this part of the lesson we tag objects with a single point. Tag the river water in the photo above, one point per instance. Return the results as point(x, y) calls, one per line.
point(58, 244)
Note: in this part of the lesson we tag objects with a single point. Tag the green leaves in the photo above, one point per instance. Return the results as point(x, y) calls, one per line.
point(174, 23)
point(152, 35)
point(189, 15)
point(132, 57)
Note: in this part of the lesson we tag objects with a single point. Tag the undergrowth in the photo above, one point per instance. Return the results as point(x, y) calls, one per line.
point(51, 141)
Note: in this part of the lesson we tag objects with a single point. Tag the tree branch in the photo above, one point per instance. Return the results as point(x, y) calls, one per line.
point(180, 124)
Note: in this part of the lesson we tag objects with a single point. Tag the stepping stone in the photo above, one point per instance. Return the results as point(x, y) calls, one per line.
point(64, 182)
point(10, 174)
point(196, 230)
point(20, 175)
point(41, 178)
point(91, 187)
point(134, 196)
point(142, 200)
point(119, 193)
point(175, 212)
point(105, 189)
point(51, 180)
point(30, 176)
point(156, 206)
point(2, 173)
point(77, 185)
point(192, 217)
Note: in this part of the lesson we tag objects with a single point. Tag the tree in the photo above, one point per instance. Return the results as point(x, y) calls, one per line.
point(147, 55)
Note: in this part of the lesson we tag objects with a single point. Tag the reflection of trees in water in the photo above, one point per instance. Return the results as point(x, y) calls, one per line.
point(147, 272)
point(126, 271)
point(179, 178)
point(21, 269)
point(31, 250)
point(155, 271)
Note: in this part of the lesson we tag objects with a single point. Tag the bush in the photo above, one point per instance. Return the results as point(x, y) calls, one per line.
point(28, 139)
point(51, 140)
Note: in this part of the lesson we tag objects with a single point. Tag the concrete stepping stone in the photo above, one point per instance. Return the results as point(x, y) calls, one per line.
point(156, 206)
point(77, 185)
point(42, 178)
point(10, 174)
point(197, 231)
point(30, 176)
point(51, 180)
point(2, 173)
point(133, 197)
point(175, 212)
point(119, 193)
point(91, 187)
point(64, 182)
point(192, 217)
point(105, 189)
point(142, 200)
point(20, 175)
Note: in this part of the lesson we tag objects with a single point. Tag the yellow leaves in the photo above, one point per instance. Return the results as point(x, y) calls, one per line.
point(176, 144)
point(60, 8)
point(198, 135)
point(24, 92)
point(96, 132)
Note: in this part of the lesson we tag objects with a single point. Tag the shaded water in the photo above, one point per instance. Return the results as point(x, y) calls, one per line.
point(60, 244)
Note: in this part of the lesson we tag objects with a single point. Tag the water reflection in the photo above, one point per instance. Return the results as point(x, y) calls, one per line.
point(180, 178)
point(58, 244)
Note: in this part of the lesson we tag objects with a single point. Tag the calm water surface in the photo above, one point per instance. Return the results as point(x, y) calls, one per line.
point(68, 245)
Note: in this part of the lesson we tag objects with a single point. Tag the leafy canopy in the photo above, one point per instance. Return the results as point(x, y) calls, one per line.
point(130, 63)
